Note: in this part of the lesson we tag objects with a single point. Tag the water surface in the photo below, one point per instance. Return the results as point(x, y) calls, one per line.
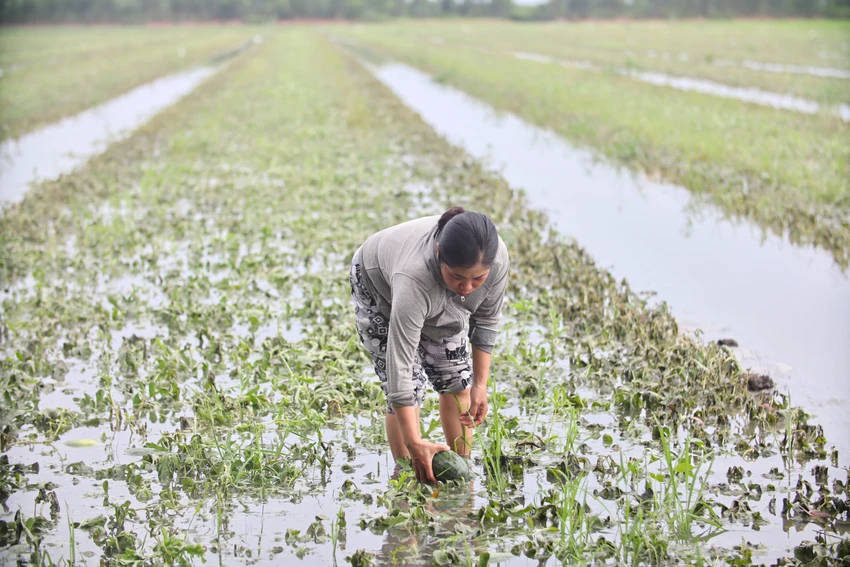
point(751, 95)
point(61, 147)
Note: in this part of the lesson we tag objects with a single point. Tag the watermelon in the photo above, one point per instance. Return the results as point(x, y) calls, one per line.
point(448, 465)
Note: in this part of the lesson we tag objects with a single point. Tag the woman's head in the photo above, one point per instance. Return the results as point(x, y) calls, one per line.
point(467, 244)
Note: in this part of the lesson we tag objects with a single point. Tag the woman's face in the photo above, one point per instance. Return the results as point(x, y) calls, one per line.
point(464, 281)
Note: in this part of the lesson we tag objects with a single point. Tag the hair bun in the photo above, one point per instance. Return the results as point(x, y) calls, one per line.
point(447, 216)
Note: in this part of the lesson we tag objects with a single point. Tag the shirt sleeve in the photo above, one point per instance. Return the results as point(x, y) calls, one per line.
point(409, 308)
point(484, 323)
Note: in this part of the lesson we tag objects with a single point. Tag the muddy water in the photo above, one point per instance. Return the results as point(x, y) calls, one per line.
point(787, 306)
point(67, 144)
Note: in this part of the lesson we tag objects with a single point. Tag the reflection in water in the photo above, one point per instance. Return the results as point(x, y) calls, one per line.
point(787, 306)
point(60, 147)
point(455, 509)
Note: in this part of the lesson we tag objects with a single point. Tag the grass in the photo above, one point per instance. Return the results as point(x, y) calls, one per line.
point(53, 72)
point(786, 171)
point(147, 294)
point(717, 50)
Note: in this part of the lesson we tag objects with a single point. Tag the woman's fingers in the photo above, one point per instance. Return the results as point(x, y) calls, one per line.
point(422, 454)
point(481, 413)
point(429, 473)
point(435, 448)
point(476, 414)
point(478, 405)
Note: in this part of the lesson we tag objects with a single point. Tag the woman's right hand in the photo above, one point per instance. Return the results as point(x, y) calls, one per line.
point(421, 455)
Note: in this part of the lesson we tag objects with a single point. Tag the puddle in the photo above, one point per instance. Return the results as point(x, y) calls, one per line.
point(829, 72)
point(746, 94)
point(787, 305)
point(538, 58)
point(61, 147)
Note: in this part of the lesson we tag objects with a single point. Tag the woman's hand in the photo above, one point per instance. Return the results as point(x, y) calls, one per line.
point(421, 455)
point(477, 406)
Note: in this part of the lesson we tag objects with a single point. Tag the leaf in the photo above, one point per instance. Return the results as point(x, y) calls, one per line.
point(82, 443)
point(683, 466)
point(92, 523)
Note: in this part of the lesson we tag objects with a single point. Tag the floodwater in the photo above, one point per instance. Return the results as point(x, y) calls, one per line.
point(746, 94)
point(61, 147)
point(828, 72)
point(787, 306)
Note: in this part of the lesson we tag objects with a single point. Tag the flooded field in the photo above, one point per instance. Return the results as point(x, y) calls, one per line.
point(746, 94)
point(50, 73)
point(183, 382)
point(59, 148)
point(687, 259)
point(757, 151)
point(806, 59)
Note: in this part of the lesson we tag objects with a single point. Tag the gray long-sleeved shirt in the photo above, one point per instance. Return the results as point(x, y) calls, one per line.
point(403, 273)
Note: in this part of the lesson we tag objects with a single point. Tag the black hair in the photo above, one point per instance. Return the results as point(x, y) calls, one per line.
point(466, 238)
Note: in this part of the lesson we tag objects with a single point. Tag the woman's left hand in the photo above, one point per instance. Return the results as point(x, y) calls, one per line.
point(477, 407)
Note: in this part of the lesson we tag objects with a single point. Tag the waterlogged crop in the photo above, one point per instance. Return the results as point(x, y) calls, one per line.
point(182, 380)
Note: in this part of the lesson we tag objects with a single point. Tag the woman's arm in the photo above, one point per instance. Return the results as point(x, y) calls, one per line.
point(484, 325)
point(421, 452)
point(409, 309)
point(478, 395)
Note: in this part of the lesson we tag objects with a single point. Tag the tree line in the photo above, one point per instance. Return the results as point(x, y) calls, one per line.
point(139, 11)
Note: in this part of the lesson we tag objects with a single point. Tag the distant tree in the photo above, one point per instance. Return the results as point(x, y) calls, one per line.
point(608, 8)
point(283, 9)
point(578, 8)
point(806, 7)
point(560, 8)
point(419, 8)
point(500, 8)
point(12, 11)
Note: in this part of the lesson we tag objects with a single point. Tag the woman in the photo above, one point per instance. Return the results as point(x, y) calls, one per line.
point(422, 291)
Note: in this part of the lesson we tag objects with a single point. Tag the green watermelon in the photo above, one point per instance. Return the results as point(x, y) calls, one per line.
point(448, 465)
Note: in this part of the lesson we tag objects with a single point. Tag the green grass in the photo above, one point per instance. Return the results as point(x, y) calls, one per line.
point(145, 296)
point(785, 170)
point(715, 49)
point(48, 45)
point(53, 72)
